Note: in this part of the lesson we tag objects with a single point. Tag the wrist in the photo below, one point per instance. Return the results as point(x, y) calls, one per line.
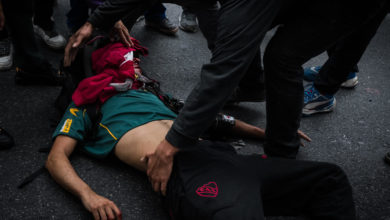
point(86, 194)
point(168, 149)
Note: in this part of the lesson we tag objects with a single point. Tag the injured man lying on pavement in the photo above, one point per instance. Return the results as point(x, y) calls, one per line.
point(209, 180)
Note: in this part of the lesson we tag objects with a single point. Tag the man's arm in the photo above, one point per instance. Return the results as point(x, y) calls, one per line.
point(61, 170)
point(104, 17)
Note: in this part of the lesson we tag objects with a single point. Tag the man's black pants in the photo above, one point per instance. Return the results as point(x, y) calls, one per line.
point(308, 28)
point(19, 22)
point(212, 182)
point(345, 55)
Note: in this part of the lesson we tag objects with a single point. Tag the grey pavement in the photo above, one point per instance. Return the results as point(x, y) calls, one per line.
point(355, 136)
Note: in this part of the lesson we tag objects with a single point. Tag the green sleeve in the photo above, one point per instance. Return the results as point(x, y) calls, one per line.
point(75, 123)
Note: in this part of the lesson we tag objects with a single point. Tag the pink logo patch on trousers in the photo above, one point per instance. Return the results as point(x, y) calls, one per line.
point(208, 190)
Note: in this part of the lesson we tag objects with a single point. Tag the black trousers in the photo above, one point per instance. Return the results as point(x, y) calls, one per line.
point(212, 182)
point(19, 16)
point(345, 55)
point(300, 38)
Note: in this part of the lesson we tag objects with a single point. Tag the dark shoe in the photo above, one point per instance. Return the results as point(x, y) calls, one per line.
point(187, 21)
point(6, 140)
point(164, 25)
point(5, 54)
point(247, 95)
point(50, 37)
point(43, 75)
point(387, 157)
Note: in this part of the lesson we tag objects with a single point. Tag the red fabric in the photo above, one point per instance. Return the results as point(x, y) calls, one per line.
point(106, 62)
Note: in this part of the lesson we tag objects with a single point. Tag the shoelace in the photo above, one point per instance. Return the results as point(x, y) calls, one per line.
point(309, 94)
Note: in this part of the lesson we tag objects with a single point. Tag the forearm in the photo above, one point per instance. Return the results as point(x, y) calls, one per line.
point(246, 130)
point(64, 174)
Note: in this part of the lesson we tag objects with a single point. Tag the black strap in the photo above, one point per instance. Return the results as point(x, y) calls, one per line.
point(32, 176)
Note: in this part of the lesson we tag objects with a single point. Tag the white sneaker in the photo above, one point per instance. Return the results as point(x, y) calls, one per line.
point(351, 82)
point(5, 54)
point(51, 37)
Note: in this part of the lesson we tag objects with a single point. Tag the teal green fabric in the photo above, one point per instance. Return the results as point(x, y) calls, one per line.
point(120, 113)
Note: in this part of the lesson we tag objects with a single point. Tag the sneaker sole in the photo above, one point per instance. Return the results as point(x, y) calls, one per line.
point(165, 31)
point(7, 63)
point(191, 30)
point(350, 83)
point(52, 45)
point(310, 111)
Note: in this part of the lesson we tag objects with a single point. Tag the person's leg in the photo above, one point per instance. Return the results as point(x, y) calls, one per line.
point(32, 67)
point(298, 40)
point(335, 48)
point(345, 55)
point(187, 20)
point(251, 87)
point(236, 45)
point(43, 11)
point(317, 190)
point(19, 17)
point(208, 21)
point(44, 25)
point(208, 182)
point(156, 13)
point(77, 15)
point(155, 18)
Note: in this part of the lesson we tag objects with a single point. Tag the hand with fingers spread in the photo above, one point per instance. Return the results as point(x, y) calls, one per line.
point(160, 164)
point(304, 137)
point(122, 32)
point(100, 207)
point(76, 41)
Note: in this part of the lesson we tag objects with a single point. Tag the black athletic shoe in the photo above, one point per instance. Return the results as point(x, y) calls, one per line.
point(44, 75)
point(6, 140)
point(387, 157)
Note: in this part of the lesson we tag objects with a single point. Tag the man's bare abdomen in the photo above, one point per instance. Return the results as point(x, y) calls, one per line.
point(140, 141)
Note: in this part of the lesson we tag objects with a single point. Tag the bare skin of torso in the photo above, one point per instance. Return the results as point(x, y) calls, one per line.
point(140, 141)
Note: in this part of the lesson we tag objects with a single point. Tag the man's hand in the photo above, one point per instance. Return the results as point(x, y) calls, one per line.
point(121, 30)
point(75, 41)
point(160, 166)
point(304, 137)
point(100, 207)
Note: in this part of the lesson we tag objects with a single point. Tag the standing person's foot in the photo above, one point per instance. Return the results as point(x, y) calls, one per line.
point(387, 157)
point(315, 102)
point(351, 82)
point(5, 54)
point(187, 21)
point(42, 75)
point(6, 140)
point(50, 37)
point(310, 74)
point(164, 26)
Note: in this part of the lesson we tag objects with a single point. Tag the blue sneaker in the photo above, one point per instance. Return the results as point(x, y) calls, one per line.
point(310, 74)
point(315, 102)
